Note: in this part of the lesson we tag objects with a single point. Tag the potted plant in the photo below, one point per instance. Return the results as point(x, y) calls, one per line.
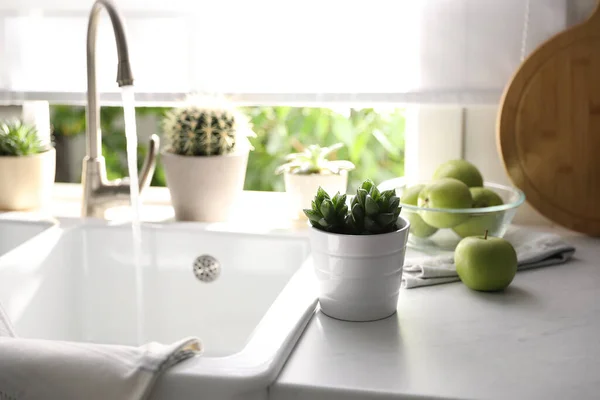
point(310, 169)
point(205, 161)
point(27, 167)
point(358, 252)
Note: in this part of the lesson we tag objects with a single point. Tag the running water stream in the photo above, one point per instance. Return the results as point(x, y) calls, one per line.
point(131, 136)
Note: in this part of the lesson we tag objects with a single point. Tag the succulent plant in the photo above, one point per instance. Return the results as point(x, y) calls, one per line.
point(328, 214)
point(313, 160)
point(197, 131)
point(371, 212)
point(20, 139)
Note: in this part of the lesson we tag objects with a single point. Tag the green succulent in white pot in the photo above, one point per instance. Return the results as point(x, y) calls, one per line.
point(205, 159)
point(357, 250)
point(306, 171)
point(27, 167)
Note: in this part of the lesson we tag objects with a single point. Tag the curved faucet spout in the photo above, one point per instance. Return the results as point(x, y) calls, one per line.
point(124, 75)
point(98, 192)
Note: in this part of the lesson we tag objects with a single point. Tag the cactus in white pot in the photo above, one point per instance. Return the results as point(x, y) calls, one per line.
point(205, 159)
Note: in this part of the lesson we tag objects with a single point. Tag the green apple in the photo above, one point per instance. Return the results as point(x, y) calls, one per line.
point(462, 170)
point(444, 193)
point(418, 227)
point(478, 224)
point(485, 263)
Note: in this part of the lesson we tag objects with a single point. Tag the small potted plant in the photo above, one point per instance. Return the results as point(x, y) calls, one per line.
point(310, 169)
point(358, 252)
point(205, 161)
point(27, 167)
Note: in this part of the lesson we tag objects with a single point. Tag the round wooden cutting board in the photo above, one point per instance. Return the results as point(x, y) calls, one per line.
point(549, 128)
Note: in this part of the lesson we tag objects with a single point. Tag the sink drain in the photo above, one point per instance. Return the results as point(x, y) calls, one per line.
point(207, 268)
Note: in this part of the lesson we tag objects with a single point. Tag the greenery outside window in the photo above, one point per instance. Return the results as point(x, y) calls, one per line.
point(373, 139)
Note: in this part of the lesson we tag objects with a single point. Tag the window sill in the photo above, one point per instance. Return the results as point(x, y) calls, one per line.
point(257, 212)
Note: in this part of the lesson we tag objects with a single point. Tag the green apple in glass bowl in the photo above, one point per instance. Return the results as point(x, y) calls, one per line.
point(479, 224)
point(444, 193)
point(418, 227)
point(485, 263)
point(462, 170)
point(446, 239)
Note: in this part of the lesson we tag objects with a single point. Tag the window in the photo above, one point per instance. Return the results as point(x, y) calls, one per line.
point(373, 138)
point(313, 56)
point(306, 52)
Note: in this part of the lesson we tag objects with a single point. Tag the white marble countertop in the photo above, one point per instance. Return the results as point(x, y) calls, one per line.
point(538, 340)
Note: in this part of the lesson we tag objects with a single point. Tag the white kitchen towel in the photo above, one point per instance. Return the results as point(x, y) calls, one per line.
point(33, 369)
point(534, 249)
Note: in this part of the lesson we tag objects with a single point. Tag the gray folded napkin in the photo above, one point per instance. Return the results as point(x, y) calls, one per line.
point(534, 249)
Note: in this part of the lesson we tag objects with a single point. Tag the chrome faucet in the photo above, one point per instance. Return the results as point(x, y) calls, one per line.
point(98, 192)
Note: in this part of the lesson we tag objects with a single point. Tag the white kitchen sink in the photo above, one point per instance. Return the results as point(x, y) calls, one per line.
point(14, 233)
point(79, 284)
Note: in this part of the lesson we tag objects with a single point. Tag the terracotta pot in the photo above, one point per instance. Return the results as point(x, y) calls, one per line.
point(205, 188)
point(359, 276)
point(301, 189)
point(26, 181)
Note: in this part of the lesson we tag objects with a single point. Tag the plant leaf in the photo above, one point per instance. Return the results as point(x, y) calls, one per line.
point(341, 212)
point(327, 151)
point(375, 194)
point(338, 165)
point(386, 219)
point(388, 194)
point(322, 194)
point(394, 202)
point(342, 199)
point(327, 211)
point(350, 224)
point(324, 223)
point(367, 185)
point(371, 226)
point(295, 156)
point(361, 194)
point(335, 199)
point(312, 215)
point(371, 206)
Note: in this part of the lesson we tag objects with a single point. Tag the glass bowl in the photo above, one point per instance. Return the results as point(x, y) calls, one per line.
point(465, 221)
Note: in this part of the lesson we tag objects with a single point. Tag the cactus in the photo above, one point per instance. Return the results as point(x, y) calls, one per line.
point(371, 212)
point(196, 131)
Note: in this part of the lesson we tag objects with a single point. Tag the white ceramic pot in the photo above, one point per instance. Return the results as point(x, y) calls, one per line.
point(359, 276)
point(26, 181)
point(205, 188)
point(301, 189)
